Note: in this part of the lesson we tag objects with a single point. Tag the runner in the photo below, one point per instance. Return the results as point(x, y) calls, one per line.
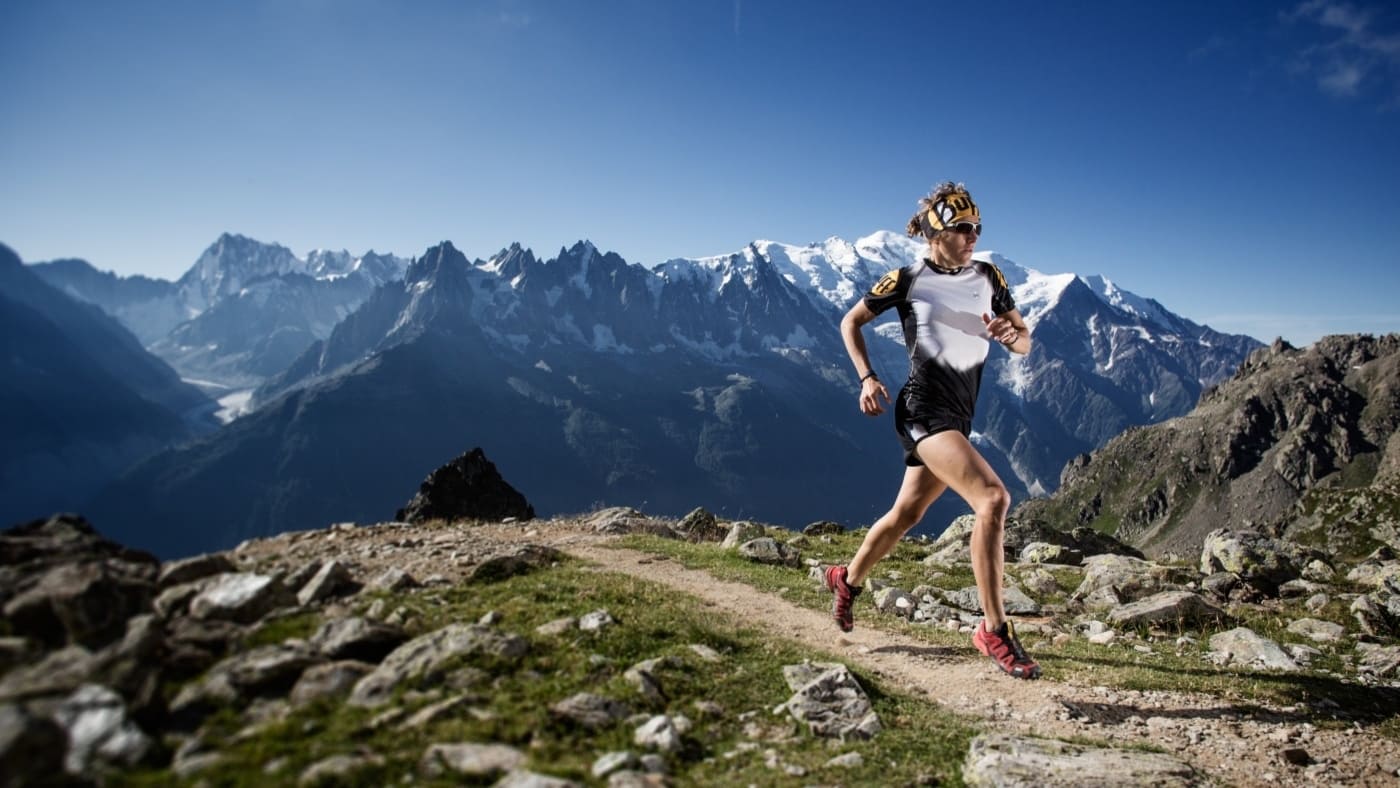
point(950, 306)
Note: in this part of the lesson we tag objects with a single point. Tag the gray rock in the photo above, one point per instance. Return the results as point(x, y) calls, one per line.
point(701, 526)
point(658, 733)
point(435, 711)
point(467, 488)
point(1317, 603)
point(31, 748)
point(1129, 578)
point(392, 579)
point(197, 567)
point(241, 597)
point(329, 680)
point(1178, 609)
point(592, 622)
point(99, 732)
point(590, 711)
point(1317, 630)
point(58, 673)
point(557, 627)
point(1003, 760)
point(823, 528)
point(741, 532)
point(766, 550)
point(1319, 571)
point(1379, 661)
point(338, 769)
point(1220, 584)
point(524, 779)
point(1041, 582)
point(332, 579)
point(1378, 613)
point(175, 600)
point(1014, 600)
point(1259, 560)
point(470, 759)
point(833, 705)
point(84, 603)
point(895, 602)
point(521, 561)
point(610, 762)
point(420, 659)
point(1047, 553)
point(357, 638)
point(626, 520)
point(1245, 647)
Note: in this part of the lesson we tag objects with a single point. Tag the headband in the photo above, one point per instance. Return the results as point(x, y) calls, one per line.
point(951, 209)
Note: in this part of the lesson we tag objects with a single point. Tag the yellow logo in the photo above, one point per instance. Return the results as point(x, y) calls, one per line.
point(887, 283)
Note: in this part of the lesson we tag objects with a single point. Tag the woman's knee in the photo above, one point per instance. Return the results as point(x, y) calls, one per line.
point(992, 502)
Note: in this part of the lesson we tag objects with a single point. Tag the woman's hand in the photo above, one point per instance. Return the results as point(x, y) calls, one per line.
point(1001, 329)
point(871, 390)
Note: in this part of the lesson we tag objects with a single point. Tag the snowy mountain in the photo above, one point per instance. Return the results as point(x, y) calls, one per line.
point(718, 381)
point(241, 313)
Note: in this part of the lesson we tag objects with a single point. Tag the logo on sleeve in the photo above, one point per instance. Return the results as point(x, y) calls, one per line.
point(887, 283)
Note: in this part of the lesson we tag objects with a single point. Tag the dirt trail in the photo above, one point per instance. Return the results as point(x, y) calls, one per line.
point(1230, 744)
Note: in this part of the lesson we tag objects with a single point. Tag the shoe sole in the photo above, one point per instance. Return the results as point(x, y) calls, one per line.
point(826, 581)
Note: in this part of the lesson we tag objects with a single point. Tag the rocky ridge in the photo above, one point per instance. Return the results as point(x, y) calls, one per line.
point(1297, 441)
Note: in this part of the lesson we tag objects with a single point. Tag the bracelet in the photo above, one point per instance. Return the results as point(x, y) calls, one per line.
point(868, 375)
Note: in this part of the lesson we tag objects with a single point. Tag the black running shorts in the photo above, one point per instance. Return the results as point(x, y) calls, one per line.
point(914, 420)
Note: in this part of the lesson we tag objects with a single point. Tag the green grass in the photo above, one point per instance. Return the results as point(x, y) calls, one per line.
point(1167, 667)
point(920, 742)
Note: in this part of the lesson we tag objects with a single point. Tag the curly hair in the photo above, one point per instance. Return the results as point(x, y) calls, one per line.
point(919, 225)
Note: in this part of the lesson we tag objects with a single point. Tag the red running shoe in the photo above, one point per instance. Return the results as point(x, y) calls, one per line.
point(844, 595)
point(1005, 649)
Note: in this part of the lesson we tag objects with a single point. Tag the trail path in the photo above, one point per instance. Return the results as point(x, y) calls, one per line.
point(1233, 745)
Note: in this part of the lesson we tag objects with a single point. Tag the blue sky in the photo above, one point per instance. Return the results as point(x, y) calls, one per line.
point(1237, 161)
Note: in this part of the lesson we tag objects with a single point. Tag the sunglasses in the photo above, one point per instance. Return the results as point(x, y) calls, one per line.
point(965, 228)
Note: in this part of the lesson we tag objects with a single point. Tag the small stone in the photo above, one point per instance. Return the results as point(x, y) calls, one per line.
point(592, 622)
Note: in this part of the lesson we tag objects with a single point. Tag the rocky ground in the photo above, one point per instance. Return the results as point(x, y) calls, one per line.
point(78, 624)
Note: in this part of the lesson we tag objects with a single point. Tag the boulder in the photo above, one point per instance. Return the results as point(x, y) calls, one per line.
point(701, 526)
point(626, 520)
point(332, 579)
point(241, 597)
point(1317, 630)
point(31, 747)
point(469, 759)
point(467, 488)
point(328, 680)
point(188, 570)
point(766, 550)
point(1047, 553)
point(833, 704)
point(740, 532)
point(520, 561)
point(1174, 609)
point(86, 602)
point(422, 658)
point(823, 528)
point(99, 732)
point(1246, 648)
point(357, 638)
point(1128, 578)
point(590, 711)
point(1259, 560)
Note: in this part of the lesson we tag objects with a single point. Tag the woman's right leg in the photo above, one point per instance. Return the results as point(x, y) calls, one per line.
point(917, 492)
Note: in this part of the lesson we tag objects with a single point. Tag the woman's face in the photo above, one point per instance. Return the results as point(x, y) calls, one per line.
point(954, 246)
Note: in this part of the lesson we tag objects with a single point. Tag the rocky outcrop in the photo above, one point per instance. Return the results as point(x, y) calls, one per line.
point(1253, 454)
point(468, 488)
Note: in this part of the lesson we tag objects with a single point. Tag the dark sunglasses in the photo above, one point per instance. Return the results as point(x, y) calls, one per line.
point(965, 228)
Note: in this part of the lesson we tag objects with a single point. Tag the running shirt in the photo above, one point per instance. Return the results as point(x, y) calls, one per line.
point(942, 317)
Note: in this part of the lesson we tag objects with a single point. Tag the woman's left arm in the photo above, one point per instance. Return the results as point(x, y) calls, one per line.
point(1011, 330)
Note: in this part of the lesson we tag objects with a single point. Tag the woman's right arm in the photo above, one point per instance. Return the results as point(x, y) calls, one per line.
point(871, 389)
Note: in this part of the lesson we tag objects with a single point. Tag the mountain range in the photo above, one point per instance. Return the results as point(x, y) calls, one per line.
point(80, 399)
point(240, 314)
point(718, 381)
